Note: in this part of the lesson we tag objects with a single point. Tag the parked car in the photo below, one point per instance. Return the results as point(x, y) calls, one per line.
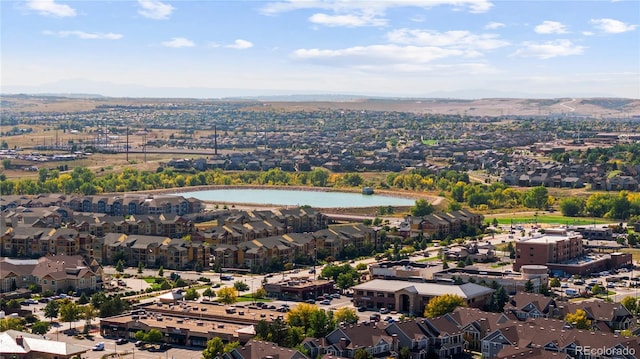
point(384, 311)
point(121, 341)
point(165, 346)
point(98, 347)
point(335, 295)
point(139, 343)
point(325, 302)
point(362, 309)
point(310, 301)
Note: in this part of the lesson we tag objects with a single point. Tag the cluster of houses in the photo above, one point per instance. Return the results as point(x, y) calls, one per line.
point(440, 225)
point(526, 171)
point(531, 326)
point(59, 273)
point(46, 225)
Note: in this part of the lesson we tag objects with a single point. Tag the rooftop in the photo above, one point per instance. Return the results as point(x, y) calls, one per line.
point(467, 290)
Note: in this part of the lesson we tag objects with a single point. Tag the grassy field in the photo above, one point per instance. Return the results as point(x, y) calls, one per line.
point(547, 218)
point(635, 253)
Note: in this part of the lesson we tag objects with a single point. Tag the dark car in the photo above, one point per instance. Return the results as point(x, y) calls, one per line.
point(121, 341)
point(362, 309)
point(165, 346)
point(139, 343)
point(310, 301)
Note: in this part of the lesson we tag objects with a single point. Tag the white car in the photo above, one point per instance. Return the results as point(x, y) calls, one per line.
point(98, 346)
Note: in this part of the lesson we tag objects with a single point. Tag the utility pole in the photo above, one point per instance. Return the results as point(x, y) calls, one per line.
point(127, 149)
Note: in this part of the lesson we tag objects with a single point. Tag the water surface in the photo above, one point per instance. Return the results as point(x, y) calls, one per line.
point(284, 197)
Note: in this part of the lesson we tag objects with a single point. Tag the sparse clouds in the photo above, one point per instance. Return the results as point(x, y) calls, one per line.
point(549, 49)
point(348, 20)
point(178, 42)
point(51, 8)
point(454, 39)
point(494, 25)
point(240, 45)
point(612, 26)
point(378, 54)
point(84, 35)
point(366, 13)
point(551, 27)
point(154, 9)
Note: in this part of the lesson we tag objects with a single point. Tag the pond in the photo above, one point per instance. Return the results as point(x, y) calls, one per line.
point(285, 197)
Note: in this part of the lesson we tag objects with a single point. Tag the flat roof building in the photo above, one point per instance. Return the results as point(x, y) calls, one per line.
point(554, 246)
point(411, 297)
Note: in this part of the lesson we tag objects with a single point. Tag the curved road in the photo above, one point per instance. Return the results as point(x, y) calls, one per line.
point(571, 109)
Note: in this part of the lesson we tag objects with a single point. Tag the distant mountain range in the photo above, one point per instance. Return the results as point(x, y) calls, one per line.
point(80, 88)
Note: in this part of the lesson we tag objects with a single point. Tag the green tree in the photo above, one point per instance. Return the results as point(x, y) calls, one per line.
point(443, 304)
point(51, 309)
point(318, 177)
point(631, 303)
point(260, 293)
point(140, 267)
point(191, 294)
point(40, 328)
point(11, 323)
point(88, 313)
point(154, 336)
point(537, 197)
point(140, 335)
point(571, 206)
point(69, 312)
point(554, 283)
point(227, 295)
point(84, 299)
point(215, 347)
point(362, 354)
point(345, 315)
point(161, 272)
point(528, 286)
point(240, 286)
point(578, 319)
point(421, 208)
point(345, 280)
point(120, 266)
point(208, 293)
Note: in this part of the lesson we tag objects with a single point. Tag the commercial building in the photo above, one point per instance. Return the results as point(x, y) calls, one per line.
point(554, 246)
point(299, 288)
point(511, 281)
point(411, 297)
point(20, 345)
point(562, 251)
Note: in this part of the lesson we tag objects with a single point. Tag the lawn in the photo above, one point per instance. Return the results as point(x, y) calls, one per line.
point(250, 298)
point(430, 259)
point(547, 219)
point(635, 253)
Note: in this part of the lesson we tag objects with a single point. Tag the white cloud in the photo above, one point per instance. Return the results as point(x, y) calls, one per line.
point(494, 25)
point(178, 42)
point(51, 8)
point(85, 35)
point(377, 8)
point(549, 49)
point(375, 55)
point(454, 39)
point(612, 26)
point(348, 20)
point(240, 45)
point(154, 9)
point(551, 27)
point(587, 33)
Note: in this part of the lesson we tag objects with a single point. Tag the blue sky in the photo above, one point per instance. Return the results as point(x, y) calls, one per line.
point(461, 48)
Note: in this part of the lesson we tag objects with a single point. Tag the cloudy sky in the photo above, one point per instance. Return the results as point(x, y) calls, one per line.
point(465, 48)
